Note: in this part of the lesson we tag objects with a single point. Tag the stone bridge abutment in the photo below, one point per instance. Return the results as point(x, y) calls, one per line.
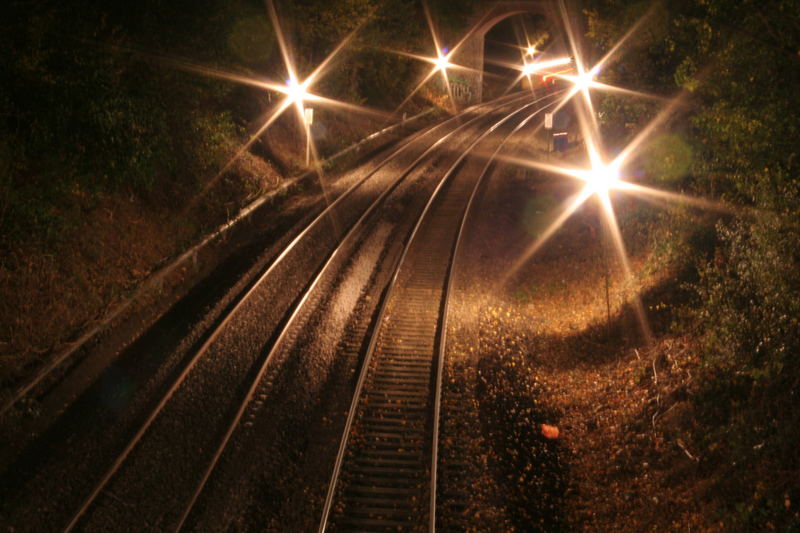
point(468, 85)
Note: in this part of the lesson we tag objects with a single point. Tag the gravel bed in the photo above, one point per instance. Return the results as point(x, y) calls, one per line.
point(163, 470)
point(296, 435)
point(513, 473)
point(52, 472)
point(275, 472)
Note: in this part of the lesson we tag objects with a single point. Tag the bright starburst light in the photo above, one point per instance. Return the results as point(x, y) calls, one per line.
point(584, 78)
point(296, 93)
point(534, 61)
point(442, 62)
point(602, 176)
point(531, 47)
point(534, 67)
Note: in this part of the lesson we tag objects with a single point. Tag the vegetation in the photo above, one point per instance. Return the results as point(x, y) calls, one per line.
point(735, 140)
point(82, 111)
point(92, 107)
point(103, 125)
point(92, 100)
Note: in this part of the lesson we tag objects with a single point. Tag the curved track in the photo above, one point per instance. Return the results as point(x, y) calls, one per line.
point(384, 478)
point(49, 368)
point(418, 148)
point(155, 434)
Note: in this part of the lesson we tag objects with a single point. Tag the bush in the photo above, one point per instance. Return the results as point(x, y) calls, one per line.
point(81, 114)
point(751, 294)
point(751, 385)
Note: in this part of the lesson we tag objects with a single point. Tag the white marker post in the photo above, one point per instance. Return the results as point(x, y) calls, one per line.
point(548, 125)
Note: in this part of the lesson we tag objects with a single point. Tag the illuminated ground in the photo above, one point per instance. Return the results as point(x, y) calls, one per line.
point(544, 354)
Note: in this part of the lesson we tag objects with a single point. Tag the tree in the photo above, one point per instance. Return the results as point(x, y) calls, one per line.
point(739, 62)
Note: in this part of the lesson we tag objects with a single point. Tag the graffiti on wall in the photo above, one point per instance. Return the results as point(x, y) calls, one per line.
point(462, 90)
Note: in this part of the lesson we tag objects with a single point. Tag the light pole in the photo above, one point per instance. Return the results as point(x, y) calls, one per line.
point(308, 119)
point(604, 244)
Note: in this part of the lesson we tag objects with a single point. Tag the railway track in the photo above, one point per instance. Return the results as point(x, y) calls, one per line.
point(172, 417)
point(385, 475)
point(40, 377)
point(289, 333)
point(100, 483)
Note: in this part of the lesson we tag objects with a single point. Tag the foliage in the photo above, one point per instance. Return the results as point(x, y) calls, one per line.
point(748, 405)
point(251, 39)
point(91, 101)
point(525, 450)
point(371, 71)
point(738, 64)
point(86, 109)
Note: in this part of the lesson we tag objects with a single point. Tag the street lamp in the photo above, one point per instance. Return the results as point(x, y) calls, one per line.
point(296, 92)
point(602, 178)
point(442, 62)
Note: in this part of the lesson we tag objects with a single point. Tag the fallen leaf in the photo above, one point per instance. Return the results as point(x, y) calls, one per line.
point(550, 432)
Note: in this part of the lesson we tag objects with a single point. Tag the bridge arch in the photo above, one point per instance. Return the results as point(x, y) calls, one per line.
point(471, 51)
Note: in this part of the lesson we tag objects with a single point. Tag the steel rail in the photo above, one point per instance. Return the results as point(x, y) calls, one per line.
point(379, 318)
point(137, 437)
point(442, 337)
point(295, 314)
point(56, 362)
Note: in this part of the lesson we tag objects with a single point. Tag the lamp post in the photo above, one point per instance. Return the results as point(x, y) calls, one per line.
point(604, 244)
point(308, 119)
point(548, 126)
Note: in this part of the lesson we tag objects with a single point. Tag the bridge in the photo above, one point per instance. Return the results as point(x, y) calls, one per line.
point(468, 85)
